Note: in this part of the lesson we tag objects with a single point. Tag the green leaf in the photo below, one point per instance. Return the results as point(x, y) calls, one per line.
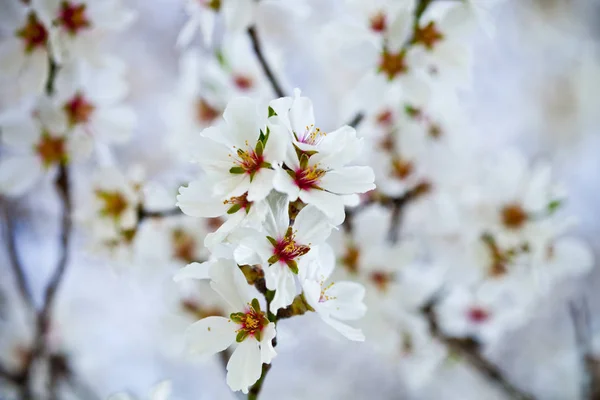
point(271, 112)
point(273, 241)
point(242, 334)
point(293, 266)
point(258, 335)
point(234, 208)
point(273, 259)
point(236, 170)
point(291, 173)
point(255, 305)
point(265, 164)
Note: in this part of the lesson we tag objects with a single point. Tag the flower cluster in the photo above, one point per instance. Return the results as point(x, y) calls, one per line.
point(282, 184)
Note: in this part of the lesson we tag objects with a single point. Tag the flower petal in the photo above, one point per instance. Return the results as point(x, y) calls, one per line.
point(244, 366)
point(210, 335)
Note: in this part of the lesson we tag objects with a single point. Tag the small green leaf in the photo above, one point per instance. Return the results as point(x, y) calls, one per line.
point(271, 112)
point(234, 208)
point(236, 170)
point(260, 147)
point(273, 241)
point(273, 259)
point(237, 317)
point(304, 161)
point(258, 335)
point(242, 334)
point(252, 175)
point(293, 266)
point(291, 173)
point(255, 305)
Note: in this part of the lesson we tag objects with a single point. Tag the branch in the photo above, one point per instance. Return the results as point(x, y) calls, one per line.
point(469, 350)
point(580, 314)
point(143, 214)
point(263, 62)
point(13, 254)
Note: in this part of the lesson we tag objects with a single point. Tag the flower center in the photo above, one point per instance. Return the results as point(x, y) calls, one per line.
point(402, 169)
point(393, 64)
point(324, 297)
point(249, 162)
point(243, 82)
point(287, 250)
point(33, 33)
point(378, 22)
point(311, 135)
point(237, 203)
point(381, 279)
point(52, 150)
point(184, 246)
point(78, 110)
point(428, 36)
point(350, 259)
point(385, 117)
point(252, 322)
point(114, 203)
point(73, 17)
point(478, 315)
point(434, 131)
point(205, 113)
point(308, 178)
point(513, 216)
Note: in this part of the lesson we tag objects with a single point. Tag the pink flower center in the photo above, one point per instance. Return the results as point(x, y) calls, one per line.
point(378, 22)
point(78, 110)
point(73, 17)
point(478, 315)
point(243, 82)
point(33, 33)
point(250, 161)
point(308, 178)
point(287, 250)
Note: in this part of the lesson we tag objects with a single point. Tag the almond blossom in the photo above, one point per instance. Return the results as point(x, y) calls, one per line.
point(248, 325)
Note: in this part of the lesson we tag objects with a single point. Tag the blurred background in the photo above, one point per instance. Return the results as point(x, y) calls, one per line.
point(535, 85)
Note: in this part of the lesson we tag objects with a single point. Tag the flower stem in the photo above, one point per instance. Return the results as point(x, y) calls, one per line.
point(254, 391)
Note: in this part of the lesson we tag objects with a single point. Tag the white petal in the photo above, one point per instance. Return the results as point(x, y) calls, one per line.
point(261, 185)
point(277, 218)
point(312, 226)
point(284, 183)
point(187, 32)
point(267, 352)
point(195, 200)
point(19, 174)
point(113, 125)
point(229, 281)
point(346, 330)
point(331, 204)
point(210, 335)
point(285, 290)
point(244, 366)
point(194, 270)
point(243, 122)
point(346, 301)
point(162, 391)
point(349, 180)
point(301, 115)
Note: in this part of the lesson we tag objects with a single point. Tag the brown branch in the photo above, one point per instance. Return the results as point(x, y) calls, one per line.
point(263, 62)
point(143, 214)
point(13, 255)
point(469, 351)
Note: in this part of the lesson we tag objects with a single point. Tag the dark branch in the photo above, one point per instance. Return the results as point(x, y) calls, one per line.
point(468, 349)
point(143, 214)
point(580, 314)
point(263, 62)
point(13, 254)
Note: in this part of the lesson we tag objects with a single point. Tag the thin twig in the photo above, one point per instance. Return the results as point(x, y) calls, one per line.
point(143, 214)
point(13, 254)
point(469, 351)
point(263, 62)
point(580, 315)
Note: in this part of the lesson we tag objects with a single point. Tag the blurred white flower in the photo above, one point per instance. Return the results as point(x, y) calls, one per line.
point(161, 391)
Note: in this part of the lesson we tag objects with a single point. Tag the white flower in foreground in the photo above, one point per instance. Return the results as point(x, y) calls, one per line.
point(314, 168)
point(37, 143)
point(238, 155)
point(282, 247)
point(162, 391)
point(24, 55)
point(248, 326)
point(335, 301)
point(238, 15)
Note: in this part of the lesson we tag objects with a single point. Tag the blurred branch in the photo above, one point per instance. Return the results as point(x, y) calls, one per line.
point(263, 62)
point(13, 254)
point(468, 350)
point(143, 214)
point(580, 315)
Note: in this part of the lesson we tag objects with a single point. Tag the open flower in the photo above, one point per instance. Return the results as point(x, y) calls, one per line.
point(238, 156)
point(282, 247)
point(248, 325)
point(336, 301)
point(314, 168)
